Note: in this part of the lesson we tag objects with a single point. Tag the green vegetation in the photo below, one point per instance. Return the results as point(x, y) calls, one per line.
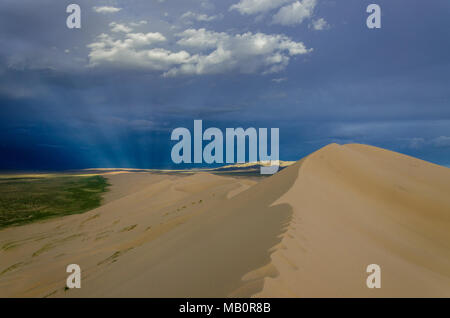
point(24, 200)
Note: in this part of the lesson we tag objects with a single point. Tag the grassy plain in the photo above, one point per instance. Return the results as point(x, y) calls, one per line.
point(28, 199)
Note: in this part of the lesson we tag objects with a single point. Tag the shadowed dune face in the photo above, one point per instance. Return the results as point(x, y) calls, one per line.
point(310, 230)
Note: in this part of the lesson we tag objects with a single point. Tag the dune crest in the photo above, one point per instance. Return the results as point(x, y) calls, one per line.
point(356, 205)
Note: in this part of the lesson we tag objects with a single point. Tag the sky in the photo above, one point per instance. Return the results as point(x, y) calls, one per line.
point(110, 93)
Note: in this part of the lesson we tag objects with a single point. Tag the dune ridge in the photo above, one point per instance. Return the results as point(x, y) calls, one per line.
point(308, 231)
point(356, 205)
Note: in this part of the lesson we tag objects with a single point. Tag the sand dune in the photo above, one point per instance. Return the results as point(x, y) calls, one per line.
point(355, 205)
point(310, 230)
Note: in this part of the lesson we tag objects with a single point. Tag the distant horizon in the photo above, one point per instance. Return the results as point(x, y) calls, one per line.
point(182, 167)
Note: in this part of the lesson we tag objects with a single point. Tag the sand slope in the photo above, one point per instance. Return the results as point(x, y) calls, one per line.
point(355, 205)
point(310, 230)
point(33, 257)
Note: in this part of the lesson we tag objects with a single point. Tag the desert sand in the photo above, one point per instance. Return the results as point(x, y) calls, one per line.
point(308, 231)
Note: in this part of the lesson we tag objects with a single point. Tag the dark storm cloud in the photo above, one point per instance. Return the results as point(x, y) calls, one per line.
point(386, 87)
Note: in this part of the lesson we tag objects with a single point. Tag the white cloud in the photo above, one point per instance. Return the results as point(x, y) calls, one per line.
point(295, 13)
point(106, 9)
point(201, 52)
point(189, 16)
point(201, 38)
point(141, 39)
point(257, 6)
point(319, 24)
point(117, 27)
point(244, 53)
point(133, 52)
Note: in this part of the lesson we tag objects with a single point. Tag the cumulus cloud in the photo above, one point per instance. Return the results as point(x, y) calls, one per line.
point(106, 9)
point(199, 52)
point(133, 51)
point(245, 53)
point(257, 6)
point(192, 16)
point(319, 24)
point(295, 13)
point(117, 27)
point(201, 38)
